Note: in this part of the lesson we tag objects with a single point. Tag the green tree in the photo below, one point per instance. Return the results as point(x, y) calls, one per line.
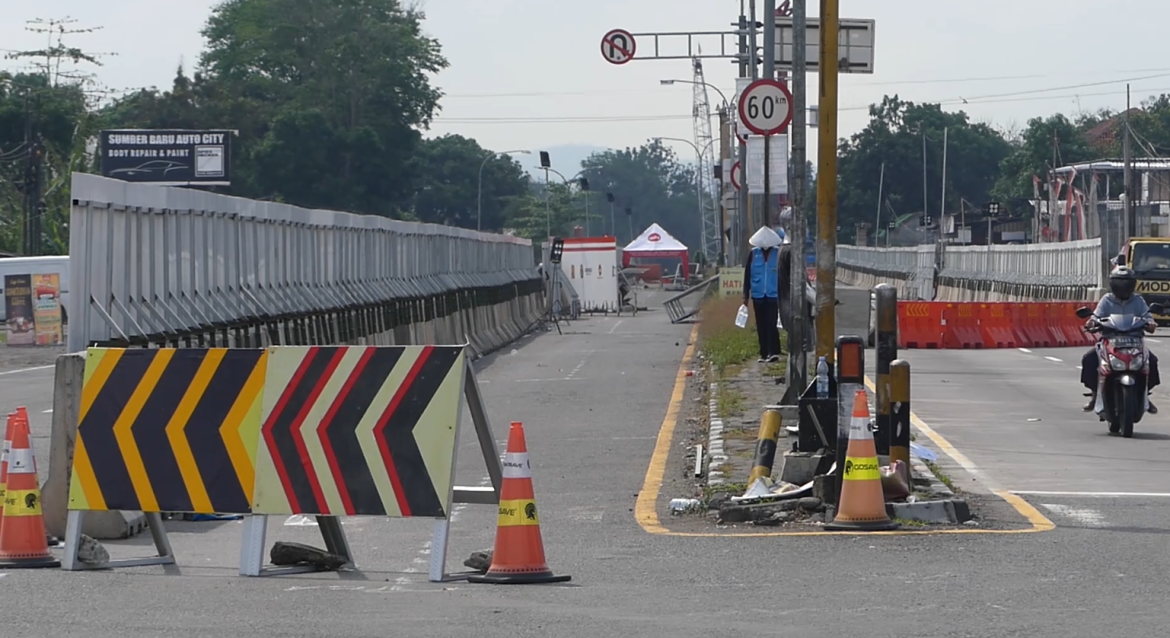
point(653, 184)
point(1043, 141)
point(894, 136)
point(554, 210)
point(52, 121)
point(447, 188)
point(329, 98)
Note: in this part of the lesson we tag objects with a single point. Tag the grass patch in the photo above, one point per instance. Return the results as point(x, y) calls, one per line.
point(730, 401)
point(941, 475)
point(722, 342)
point(909, 522)
point(723, 488)
point(777, 369)
point(741, 434)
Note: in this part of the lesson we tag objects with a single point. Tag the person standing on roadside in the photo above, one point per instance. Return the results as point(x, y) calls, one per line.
point(761, 284)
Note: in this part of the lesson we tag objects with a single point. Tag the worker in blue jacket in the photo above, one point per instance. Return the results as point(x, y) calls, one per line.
point(761, 284)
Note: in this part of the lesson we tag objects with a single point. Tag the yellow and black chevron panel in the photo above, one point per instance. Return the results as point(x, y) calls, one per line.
point(359, 430)
point(168, 430)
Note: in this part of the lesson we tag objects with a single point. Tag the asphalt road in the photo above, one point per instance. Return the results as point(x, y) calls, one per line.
point(593, 401)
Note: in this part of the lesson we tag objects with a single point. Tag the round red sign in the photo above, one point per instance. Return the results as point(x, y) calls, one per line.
point(654, 237)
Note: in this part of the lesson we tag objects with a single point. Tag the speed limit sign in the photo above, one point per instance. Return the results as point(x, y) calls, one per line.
point(765, 107)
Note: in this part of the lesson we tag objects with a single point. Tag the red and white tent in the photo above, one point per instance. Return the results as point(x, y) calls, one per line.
point(656, 243)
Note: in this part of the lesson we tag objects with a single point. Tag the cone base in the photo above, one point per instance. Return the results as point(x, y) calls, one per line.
point(518, 579)
point(31, 562)
point(862, 526)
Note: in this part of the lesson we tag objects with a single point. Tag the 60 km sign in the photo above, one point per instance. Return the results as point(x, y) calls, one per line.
point(765, 107)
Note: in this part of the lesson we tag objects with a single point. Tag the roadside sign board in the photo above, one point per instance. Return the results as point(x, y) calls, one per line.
point(765, 107)
point(855, 41)
point(167, 157)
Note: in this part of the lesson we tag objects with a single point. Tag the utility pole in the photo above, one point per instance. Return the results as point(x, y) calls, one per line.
point(797, 350)
point(827, 183)
point(743, 215)
point(1127, 151)
point(724, 155)
point(769, 73)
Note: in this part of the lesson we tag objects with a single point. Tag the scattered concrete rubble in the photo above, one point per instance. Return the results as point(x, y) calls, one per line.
point(914, 494)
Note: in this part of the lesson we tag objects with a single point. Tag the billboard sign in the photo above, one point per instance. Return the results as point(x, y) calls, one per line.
point(167, 157)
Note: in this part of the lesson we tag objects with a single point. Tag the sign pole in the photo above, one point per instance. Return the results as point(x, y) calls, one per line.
point(769, 73)
point(742, 215)
point(797, 342)
point(827, 184)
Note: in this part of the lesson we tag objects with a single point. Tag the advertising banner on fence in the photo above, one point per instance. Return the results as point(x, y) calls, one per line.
point(47, 309)
point(168, 157)
point(18, 310)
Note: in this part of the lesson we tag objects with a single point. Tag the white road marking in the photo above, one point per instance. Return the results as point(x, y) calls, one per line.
point(1078, 367)
point(49, 411)
point(27, 370)
point(1091, 518)
point(1094, 494)
point(1053, 359)
point(552, 379)
point(1025, 351)
point(1154, 340)
point(424, 554)
point(615, 326)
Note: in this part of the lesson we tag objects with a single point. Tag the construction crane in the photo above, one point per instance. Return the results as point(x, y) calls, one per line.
point(708, 190)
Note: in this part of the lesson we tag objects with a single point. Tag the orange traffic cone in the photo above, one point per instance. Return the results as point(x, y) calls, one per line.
point(4, 462)
point(862, 506)
point(518, 558)
point(22, 536)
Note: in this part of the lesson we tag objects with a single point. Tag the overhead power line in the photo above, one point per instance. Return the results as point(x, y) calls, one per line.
point(1023, 96)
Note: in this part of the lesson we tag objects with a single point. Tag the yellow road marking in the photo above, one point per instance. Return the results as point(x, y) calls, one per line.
point(646, 509)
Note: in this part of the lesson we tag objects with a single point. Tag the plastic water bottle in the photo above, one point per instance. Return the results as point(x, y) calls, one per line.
point(822, 379)
point(741, 317)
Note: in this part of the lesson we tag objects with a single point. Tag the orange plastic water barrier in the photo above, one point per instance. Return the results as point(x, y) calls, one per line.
point(920, 324)
point(975, 325)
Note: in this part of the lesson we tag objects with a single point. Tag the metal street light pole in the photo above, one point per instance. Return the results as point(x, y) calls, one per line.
point(726, 102)
point(698, 181)
point(581, 181)
point(479, 191)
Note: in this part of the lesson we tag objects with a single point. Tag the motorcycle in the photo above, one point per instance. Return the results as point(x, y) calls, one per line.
point(1123, 370)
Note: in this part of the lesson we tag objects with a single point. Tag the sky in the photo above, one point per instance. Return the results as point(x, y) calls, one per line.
point(528, 74)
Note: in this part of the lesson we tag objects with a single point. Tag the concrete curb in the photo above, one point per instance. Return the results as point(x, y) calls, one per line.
point(949, 511)
point(715, 454)
point(923, 477)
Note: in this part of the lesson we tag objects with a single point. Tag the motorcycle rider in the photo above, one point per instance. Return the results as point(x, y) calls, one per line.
point(1120, 300)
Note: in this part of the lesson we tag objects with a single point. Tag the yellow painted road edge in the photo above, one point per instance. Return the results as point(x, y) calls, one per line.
point(646, 508)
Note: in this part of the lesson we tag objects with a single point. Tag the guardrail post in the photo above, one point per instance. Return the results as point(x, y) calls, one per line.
point(886, 349)
point(900, 413)
point(765, 446)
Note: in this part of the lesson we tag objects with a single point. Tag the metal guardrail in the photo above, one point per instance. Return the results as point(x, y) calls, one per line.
point(1048, 271)
point(148, 261)
point(676, 308)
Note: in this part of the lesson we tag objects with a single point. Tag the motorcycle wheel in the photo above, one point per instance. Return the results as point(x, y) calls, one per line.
point(1130, 402)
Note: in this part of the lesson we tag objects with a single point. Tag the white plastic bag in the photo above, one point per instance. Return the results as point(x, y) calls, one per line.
point(741, 317)
point(779, 321)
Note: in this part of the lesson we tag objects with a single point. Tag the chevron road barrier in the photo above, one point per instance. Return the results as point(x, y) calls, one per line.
point(172, 268)
point(326, 431)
